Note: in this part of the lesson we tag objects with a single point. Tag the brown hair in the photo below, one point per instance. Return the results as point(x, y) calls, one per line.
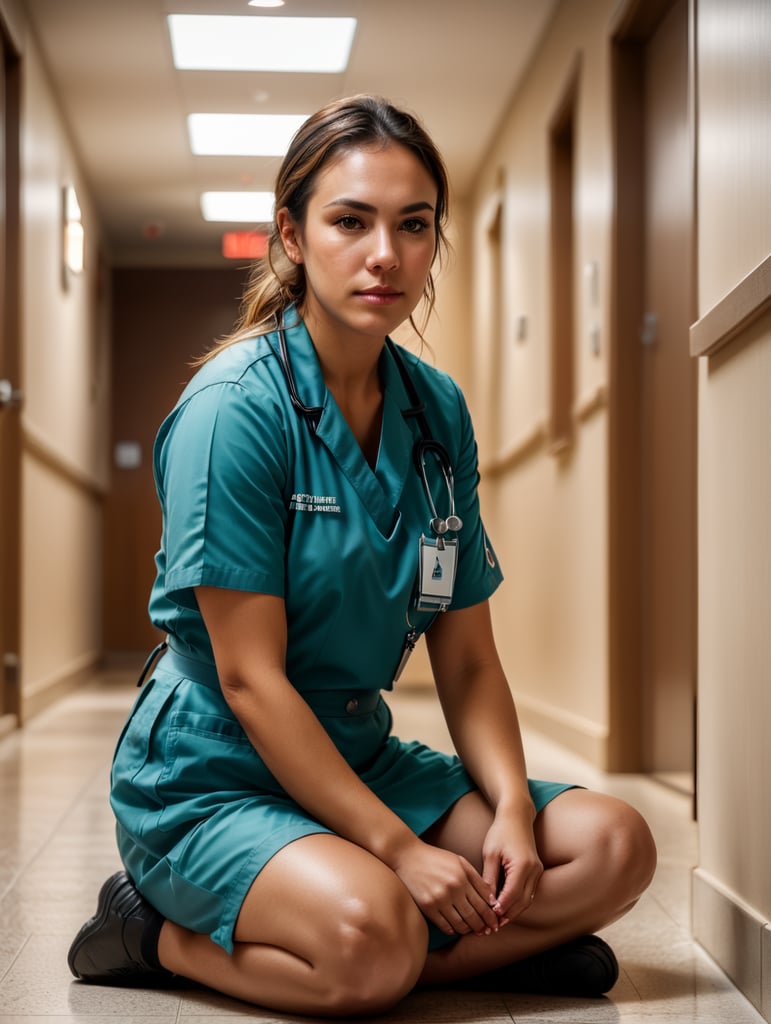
point(358, 121)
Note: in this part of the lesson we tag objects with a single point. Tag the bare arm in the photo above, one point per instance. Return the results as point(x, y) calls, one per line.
point(248, 635)
point(482, 719)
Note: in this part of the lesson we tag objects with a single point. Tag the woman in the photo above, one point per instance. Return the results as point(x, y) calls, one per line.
point(288, 849)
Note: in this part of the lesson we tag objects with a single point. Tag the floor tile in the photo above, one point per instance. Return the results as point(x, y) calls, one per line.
point(57, 844)
point(39, 983)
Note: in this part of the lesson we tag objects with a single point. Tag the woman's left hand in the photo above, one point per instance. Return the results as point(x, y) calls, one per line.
point(511, 865)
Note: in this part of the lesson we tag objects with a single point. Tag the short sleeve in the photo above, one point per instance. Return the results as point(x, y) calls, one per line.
point(220, 467)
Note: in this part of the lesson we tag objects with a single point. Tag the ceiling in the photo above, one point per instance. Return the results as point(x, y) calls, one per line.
point(454, 62)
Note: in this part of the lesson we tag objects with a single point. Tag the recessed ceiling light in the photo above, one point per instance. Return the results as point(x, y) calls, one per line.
point(221, 42)
point(266, 3)
point(242, 134)
point(240, 207)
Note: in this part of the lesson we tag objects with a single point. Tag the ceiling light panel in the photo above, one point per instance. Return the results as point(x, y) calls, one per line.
point(238, 207)
point(242, 134)
point(214, 42)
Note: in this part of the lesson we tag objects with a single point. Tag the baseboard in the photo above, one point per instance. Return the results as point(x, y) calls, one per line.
point(37, 698)
point(736, 937)
point(577, 734)
point(8, 724)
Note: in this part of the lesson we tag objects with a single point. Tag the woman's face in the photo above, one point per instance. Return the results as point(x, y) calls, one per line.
point(367, 243)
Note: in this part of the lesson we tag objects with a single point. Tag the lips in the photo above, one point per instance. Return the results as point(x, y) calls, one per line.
point(380, 292)
point(379, 295)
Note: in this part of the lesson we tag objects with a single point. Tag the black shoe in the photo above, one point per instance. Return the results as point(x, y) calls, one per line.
point(585, 967)
point(112, 948)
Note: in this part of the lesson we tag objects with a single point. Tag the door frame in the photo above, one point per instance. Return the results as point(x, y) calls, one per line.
point(634, 24)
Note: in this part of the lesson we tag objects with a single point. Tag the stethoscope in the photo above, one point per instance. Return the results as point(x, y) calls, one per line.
point(423, 447)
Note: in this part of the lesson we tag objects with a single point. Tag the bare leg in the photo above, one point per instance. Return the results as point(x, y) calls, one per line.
point(326, 929)
point(598, 856)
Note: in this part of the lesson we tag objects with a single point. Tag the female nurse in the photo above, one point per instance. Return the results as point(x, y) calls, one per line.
point(318, 487)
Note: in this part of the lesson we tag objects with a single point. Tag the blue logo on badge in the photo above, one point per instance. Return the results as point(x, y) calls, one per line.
point(437, 573)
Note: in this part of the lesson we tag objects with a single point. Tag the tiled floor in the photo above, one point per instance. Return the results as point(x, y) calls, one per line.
point(56, 846)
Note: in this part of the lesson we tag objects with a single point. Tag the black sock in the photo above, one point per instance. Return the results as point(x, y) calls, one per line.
point(149, 943)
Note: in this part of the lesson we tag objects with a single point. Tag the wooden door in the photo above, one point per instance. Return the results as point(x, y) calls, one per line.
point(652, 511)
point(162, 318)
point(668, 391)
point(10, 395)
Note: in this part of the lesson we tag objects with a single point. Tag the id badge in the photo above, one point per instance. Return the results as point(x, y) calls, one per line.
point(438, 562)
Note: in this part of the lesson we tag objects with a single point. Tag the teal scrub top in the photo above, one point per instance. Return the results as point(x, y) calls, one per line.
point(254, 500)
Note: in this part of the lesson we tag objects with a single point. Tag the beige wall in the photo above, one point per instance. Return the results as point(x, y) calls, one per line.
point(732, 886)
point(65, 370)
point(547, 515)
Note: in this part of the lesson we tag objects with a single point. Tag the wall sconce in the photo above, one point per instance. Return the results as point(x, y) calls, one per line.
point(73, 235)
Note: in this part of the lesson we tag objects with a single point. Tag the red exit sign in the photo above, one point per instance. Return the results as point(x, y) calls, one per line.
point(244, 245)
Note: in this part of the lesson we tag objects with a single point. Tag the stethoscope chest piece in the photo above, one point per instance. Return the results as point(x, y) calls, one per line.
point(440, 526)
point(451, 523)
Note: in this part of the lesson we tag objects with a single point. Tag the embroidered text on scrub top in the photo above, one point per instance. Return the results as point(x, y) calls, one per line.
point(315, 503)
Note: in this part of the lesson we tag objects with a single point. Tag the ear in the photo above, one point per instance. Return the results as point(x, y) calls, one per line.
point(287, 229)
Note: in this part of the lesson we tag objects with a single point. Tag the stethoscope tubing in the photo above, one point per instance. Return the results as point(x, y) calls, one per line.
point(452, 522)
point(428, 443)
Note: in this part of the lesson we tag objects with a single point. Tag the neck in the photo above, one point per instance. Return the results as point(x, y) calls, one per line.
point(349, 362)
point(349, 365)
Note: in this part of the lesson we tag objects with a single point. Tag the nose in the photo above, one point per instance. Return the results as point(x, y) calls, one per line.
point(383, 253)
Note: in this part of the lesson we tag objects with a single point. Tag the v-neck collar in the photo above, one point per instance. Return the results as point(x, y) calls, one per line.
point(380, 489)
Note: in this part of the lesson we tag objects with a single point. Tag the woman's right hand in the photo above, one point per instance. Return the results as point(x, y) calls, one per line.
point(447, 889)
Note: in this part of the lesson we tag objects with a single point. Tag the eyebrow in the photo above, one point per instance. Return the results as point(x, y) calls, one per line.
point(355, 204)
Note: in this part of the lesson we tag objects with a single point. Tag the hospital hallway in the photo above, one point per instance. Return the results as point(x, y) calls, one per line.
point(605, 311)
point(57, 846)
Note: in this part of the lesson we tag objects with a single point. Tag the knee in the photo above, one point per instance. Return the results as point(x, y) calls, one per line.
point(630, 850)
point(379, 952)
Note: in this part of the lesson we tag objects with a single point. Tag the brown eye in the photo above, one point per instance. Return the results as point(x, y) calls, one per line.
point(415, 225)
point(348, 222)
